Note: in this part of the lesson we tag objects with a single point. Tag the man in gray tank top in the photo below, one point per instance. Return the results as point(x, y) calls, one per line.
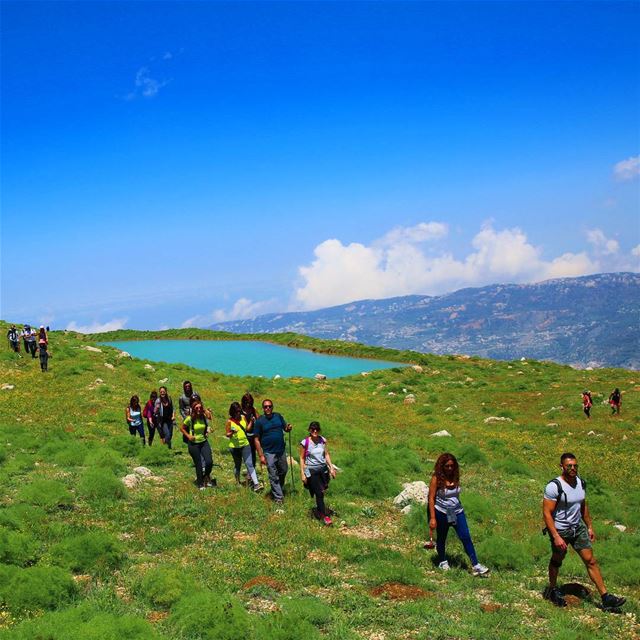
point(568, 522)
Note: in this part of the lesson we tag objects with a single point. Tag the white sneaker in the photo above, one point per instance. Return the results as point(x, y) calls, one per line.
point(444, 565)
point(480, 570)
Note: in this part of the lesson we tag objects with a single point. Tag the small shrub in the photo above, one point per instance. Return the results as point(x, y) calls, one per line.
point(48, 494)
point(126, 445)
point(86, 623)
point(22, 516)
point(17, 548)
point(470, 454)
point(210, 616)
point(312, 610)
point(401, 570)
point(91, 552)
point(477, 508)
point(156, 456)
point(280, 626)
point(35, 588)
point(164, 586)
point(502, 553)
point(105, 458)
point(101, 484)
point(370, 475)
point(513, 467)
point(3, 454)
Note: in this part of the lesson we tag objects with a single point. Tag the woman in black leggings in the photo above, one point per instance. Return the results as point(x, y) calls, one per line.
point(316, 469)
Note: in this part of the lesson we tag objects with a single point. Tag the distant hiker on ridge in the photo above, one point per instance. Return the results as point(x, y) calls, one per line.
point(587, 403)
point(615, 400)
point(43, 346)
point(568, 522)
point(14, 339)
point(29, 337)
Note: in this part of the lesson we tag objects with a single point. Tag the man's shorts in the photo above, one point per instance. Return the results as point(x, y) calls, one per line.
point(577, 537)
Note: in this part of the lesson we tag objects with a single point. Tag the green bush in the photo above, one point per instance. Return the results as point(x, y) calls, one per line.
point(48, 494)
point(369, 475)
point(22, 516)
point(3, 454)
point(477, 508)
point(101, 484)
point(309, 609)
point(105, 458)
point(35, 588)
point(83, 622)
point(398, 569)
point(156, 456)
point(91, 552)
point(513, 467)
point(163, 586)
point(126, 445)
point(502, 553)
point(470, 454)
point(210, 616)
point(17, 548)
point(280, 626)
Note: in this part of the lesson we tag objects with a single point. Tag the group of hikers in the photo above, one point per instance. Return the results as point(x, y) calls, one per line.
point(615, 402)
point(252, 436)
point(34, 342)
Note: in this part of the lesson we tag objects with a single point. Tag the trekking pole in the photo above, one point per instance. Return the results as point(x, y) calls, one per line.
point(293, 489)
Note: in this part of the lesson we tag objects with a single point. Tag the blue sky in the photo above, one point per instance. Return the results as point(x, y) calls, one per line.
point(169, 164)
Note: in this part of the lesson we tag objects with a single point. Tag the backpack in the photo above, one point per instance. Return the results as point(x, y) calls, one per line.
point(306, 446)
point(561, 493)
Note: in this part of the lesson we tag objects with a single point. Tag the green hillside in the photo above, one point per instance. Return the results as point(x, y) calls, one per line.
point(84, 557)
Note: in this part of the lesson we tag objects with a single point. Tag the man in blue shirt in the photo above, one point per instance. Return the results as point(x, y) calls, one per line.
point(269, 430)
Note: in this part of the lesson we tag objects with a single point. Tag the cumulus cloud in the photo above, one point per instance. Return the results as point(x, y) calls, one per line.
point(601, 244)
point(636, 251)
point(242, 309)
point(396, 265)
point(97, 327)
point(627, 169)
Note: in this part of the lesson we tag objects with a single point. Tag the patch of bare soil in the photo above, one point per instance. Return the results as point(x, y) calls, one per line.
point(490, 607)
point(157, 616)
point(264, 581)
point(398, 591)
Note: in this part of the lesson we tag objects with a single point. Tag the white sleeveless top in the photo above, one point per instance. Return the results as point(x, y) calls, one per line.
point(448, 499)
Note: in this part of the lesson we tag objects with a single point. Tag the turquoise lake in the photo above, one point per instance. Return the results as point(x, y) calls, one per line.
point(249, 358)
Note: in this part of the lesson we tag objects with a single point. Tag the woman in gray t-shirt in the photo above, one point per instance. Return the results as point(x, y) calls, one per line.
point(316, 469)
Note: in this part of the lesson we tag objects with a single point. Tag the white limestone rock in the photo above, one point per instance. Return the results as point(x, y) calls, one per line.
point(320, 376)
point(7, 387)
point(108, 365)
point(92, 349)
point(441, 434)
point(620, 527)
point(148, 367)
point(143, 471)
point(124, 354)
point(412, 492)
point(409, 399)
point(417, 368)
point(131, 481)
point(494, 419)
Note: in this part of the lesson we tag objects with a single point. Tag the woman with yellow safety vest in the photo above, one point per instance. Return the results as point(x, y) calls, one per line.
point(195, 428)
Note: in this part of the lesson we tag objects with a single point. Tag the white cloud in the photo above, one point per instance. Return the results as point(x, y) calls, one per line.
point(97, 327)
point(145, 85)
point(242, 309)
point(419, 233)
point(395, 266)
point(627, 169)
point(601, 244)
point(636, 251)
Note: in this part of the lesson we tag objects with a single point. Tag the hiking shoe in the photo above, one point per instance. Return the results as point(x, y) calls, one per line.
point(327, 521)
point(609, 601)
point(444, 565)
point(555, 597)
point(258, 487)
point(201, 487)
point(278, 501)
point(480, 570)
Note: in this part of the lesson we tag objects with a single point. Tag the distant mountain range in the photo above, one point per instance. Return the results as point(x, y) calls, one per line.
point(587, 321)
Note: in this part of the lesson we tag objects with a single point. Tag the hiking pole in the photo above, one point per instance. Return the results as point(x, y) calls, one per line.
point(293, 489)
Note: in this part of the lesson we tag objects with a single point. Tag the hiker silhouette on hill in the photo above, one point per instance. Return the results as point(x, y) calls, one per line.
point(587, 403)
point(615, 400)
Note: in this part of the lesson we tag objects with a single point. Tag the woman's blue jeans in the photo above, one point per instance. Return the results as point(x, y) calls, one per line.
point(462, 529)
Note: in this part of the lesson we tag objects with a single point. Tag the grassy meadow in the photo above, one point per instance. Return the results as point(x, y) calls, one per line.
point(81, 556)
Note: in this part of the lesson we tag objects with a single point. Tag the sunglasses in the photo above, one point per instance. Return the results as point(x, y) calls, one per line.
point(267, 406)
point(571, 466)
